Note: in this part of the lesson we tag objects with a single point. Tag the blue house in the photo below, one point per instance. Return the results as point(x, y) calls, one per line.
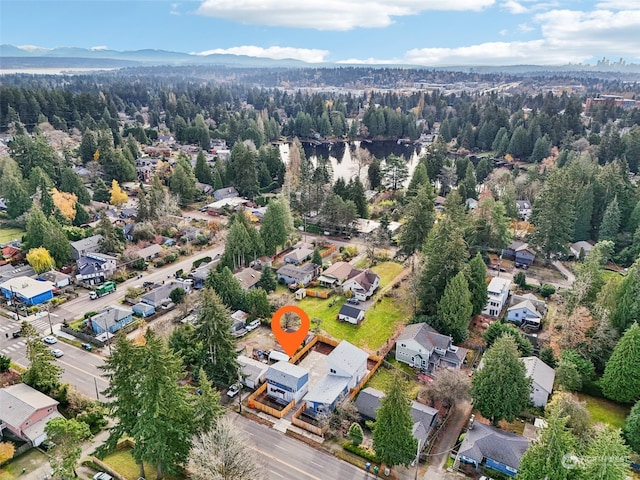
point(27, 290)
point(286, 382)
point(493, 448)
point(111, 319)
point(143, 309)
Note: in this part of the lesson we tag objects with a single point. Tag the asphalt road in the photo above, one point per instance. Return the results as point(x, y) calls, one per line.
point(287, 458)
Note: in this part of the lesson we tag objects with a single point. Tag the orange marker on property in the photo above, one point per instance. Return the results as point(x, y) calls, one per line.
point(290, 341)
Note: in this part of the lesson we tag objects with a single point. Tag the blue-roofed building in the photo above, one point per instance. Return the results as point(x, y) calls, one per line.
point(27, 290)
point(492, 447)
point(346, 367)
point(110, 319)
point(286, 382)
point(143, 309)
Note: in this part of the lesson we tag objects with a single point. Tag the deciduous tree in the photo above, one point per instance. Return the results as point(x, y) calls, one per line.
point(66, 435)
point(40, 259)
point(118, 196)
point(65, 203)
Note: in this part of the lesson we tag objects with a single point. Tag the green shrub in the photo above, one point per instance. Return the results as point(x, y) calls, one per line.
point(199, 261)
point(172, 257)
point(361, 452)
point(5, 362)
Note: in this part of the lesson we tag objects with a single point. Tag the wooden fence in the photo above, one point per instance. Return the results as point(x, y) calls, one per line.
point(309, 427)
point(254, 403)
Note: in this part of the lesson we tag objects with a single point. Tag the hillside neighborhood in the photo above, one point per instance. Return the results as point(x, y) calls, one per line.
point(473, 311)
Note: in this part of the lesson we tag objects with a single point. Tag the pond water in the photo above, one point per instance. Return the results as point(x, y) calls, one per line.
point(342, 155)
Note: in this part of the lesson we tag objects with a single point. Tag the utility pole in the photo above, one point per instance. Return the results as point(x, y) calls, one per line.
point(417, 459)
point(49, 317)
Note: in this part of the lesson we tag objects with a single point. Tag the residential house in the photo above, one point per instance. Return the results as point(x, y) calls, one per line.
point(366, 226)
point(127, 213)
point(439, 203)
point(498, 293)
point(191, 233)
point(200, 274)
point(239, 323)
point(95, 268)
point(525, 313)
point(111, 319)
point(421, 346)
point(520, 253)
point(542, 377)
point(298, 255)
point(58, 279)
point(286, 382)
point(336, 274)
point(248, 278)
point(128, 230)
point(86, 245)
point(224, 193)
point(11, 253)
point(143, 310)
point(24, 412)
point(471, 203)
point(8, 271)
point(524, 209)
point(160, 295)
point(303, 274)
point(580, 249)
point(347, 366)
point(425, 418)
point(27, 290)
point(252, 372)
point(148, 253)
point(351, 314)
point(204, 188)
point(362, 284)
point(484, 445)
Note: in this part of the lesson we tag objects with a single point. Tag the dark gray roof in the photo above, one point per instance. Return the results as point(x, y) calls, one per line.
point(88, 243)
point(426, 336)
point(368, 401)
point(297, 273)
point(247, 277)
point(349, 311)
point(423, 413)
point(485, 441)
point(110, 316)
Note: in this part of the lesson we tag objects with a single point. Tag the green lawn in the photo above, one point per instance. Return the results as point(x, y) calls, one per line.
point(8, 234)
point(605, 411)
point(122, 462)
point(382, 378)
point(387, 271)
point(30, 460)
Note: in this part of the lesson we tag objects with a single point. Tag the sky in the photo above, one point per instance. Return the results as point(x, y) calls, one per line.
point(410, 32)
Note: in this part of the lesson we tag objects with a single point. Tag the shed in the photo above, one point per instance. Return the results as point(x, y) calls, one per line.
point(350, 314)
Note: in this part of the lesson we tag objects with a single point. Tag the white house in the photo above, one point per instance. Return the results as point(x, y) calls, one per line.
point(580, 247)
point(524, 312)
point(95, 268)
point(542, 377)
point(524, 209)
point(363, 284)
point(350, 314)
point(252, 372)
point(498, 293)
point(287, 382)
point(419, 345)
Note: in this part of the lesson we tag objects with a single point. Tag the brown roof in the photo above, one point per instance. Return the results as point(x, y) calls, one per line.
point(247, 277)
point(364, 278)
point(341, 271)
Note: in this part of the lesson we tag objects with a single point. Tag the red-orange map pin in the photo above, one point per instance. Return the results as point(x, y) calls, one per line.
point(290, 341)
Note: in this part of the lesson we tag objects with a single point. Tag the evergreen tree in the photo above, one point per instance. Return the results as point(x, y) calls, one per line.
point(419, 178)
point(227, 287)
point(501, 388)
point(610, 225)
point(213, 330)
point(469, 182)
point(37, 228)
point(355, 192)
point(553, 216)
point(43, 374)
point(111, 237)
point(217, 179)
point(584, 211)
point(101, 191)
point(88, 147)
point(631, 428)
point(498, 329)
point(454, 309)
point(277, 225)
point(71, 182)
point(444, 255)
point(608, 454)
point(15, 193)
point(183, 183)
point(627, 306)
point(355, 434)
point(540, 149)
point(374, 174)
point(419, 218)
point(202, 170)
point(82, 217)
point(477, 279)
point(621, 379)
point(317, 258)
point(242, 165)
point(206, 404)
point(393, 441)
point(257, 304)
point(267, 280)
point(483, 170)
point(547, 456)
point(394, 172)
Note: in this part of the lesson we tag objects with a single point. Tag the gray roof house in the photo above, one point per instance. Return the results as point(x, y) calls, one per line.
point(520, 253)
point(86, 245)
point(247, 277)
point(59, 279)
point(524, 313)
point(224, 193)
point(346, 367)
point(286, 382)
point(110, 319)
point(24, 411)
point(581, 246)
point(542, 377)
point(95, 267)
point(298, 255)
point(252, 372)
point(495, 448)
point(350, 314)
point(291, 274)
point(160, 295)
point(152, 251)
point(419, 345)
point(424, 417)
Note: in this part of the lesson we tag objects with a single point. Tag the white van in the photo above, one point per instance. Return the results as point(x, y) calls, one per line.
point(276, 356)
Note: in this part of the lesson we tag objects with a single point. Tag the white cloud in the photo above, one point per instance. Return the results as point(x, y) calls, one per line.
point(98, 48)
point(619, 4)
point(514, 7)
point(338, 15)
point(278, 53)
point(523, 27)
point(503, 32)
point(31, 48)
point(527, 6)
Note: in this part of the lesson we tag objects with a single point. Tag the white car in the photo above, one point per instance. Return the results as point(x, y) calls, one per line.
point(102, 476)
point(233, 390)
point(50, 340)
point(56, 352)
point(253, 325)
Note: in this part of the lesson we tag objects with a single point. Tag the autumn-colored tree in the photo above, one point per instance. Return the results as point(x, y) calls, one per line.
point(7, 450)
point(118, 196)
point(40, 259)
point(65, 202)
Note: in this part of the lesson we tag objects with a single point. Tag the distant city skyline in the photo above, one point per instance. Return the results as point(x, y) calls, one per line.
point(410, 32)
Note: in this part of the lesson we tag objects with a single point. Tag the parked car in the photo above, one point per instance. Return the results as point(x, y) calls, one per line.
point(353, 301)
point(233, 390)
point(253, 325)
point(17, 333)
point(102, 476)
point(56, 352)
point(50, 340)
point(86, 346)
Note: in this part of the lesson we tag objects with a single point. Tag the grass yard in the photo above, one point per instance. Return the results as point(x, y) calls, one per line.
point(30, 460)
point(122, 462)
point(387, 271)
point(8, 234)
point(382, 378)
point(605, 411)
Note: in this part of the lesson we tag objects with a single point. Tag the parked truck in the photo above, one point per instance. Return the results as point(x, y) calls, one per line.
point(104, 289)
